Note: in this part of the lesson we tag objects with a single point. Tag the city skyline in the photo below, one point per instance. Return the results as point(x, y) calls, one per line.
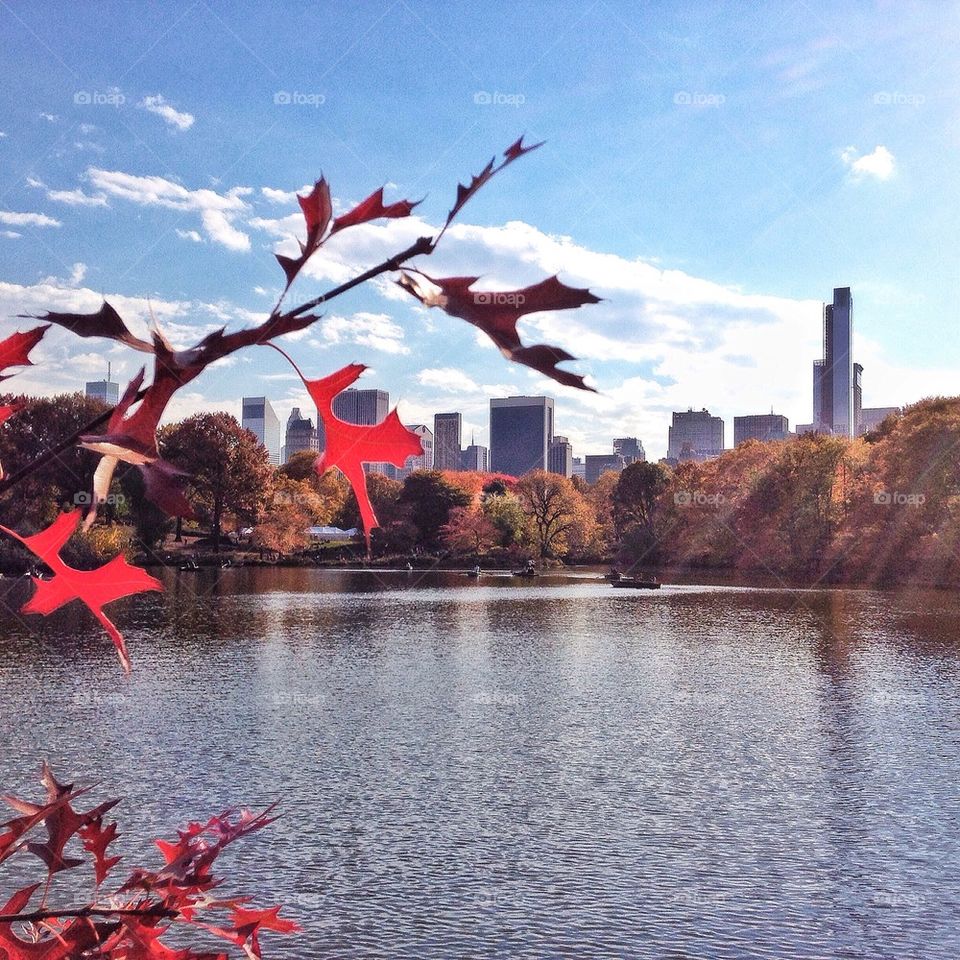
point(752, 180)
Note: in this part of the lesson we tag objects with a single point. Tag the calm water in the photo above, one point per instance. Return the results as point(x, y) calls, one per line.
point(507, 769)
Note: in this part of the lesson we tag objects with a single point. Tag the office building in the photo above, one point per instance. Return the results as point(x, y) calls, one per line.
point(422, 462)
point(365, 407)
point(872, 417)
point(760, 426)
point(106, 391)
point(521, 430)
point(475, 458)
point(597, 464)
point(561, 457)
point(301, 434)
point(834, 377)
point(630, 448)
point(695, 435)
point(579, 468)
point(259, 417)
point(447, 431)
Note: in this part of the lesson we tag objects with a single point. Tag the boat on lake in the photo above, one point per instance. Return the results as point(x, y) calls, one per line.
point(635, 583)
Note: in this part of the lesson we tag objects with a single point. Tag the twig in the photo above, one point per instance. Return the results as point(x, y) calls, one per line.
point(38, 916)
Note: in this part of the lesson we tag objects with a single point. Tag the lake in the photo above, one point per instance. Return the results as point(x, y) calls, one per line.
point(500, 768)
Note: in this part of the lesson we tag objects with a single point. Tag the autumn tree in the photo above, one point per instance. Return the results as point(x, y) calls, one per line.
point(229, 469)
point(469, 530)
point(559, 516)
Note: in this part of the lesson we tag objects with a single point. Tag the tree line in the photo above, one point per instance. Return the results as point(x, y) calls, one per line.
point(883, 508)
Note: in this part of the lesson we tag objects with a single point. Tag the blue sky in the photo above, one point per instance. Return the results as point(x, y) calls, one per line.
point(712, 172)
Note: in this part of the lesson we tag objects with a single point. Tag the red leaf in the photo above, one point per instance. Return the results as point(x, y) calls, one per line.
point(350, 445)
point(95, 588)
point(317, 210)
point(19, 900)
point(373, 209)
point(15, 349)
point(106, 322)
point(497, 313)
point(247, 925)
point(132, 438)
point(96, 838)
point(464, 193)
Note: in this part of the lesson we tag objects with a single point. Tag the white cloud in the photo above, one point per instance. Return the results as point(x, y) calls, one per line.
point(281, 196)
point(447, 379)
point(49, 117)
point(162, 108)
point(77, 273)
point(217, 210)
point(374, 330)
point(77, 198)
point(28, 219)
point(880, 164)
point(190, 235)
point(10, 234)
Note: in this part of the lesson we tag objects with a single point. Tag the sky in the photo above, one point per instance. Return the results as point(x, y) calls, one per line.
point(712, 171)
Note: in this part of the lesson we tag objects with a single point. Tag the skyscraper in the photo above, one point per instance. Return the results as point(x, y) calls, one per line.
point(695, 435)
point(301, 435)
point(760, 426)
point(260, 419)
point(521, 430)
point(631, 449)
point(475, 459)
point(107, 391)
point(422, 462)
point(447, 431)
point(561, 457)
point(834, 383)
point(598, 464)
point(364, 407)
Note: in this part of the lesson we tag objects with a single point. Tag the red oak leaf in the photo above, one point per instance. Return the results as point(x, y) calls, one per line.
point(373, 209)
point(106, 322)
point(464, 193)
point(15, 349)
point(96, 838)
point(317, 211)
point(350, 445)
point(496, 314)
point(95, 588)
point(247, 925)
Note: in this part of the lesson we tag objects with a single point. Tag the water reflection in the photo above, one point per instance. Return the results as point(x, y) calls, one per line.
point(500, 768)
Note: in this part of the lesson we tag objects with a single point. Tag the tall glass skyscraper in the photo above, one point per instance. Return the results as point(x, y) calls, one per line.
point(365, 407)
point(521, 431)
point(261, 420)
point(834, 386)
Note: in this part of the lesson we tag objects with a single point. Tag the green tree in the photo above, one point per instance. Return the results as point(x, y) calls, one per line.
point(428, 499)
point(229, 469)
point(505, 512)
